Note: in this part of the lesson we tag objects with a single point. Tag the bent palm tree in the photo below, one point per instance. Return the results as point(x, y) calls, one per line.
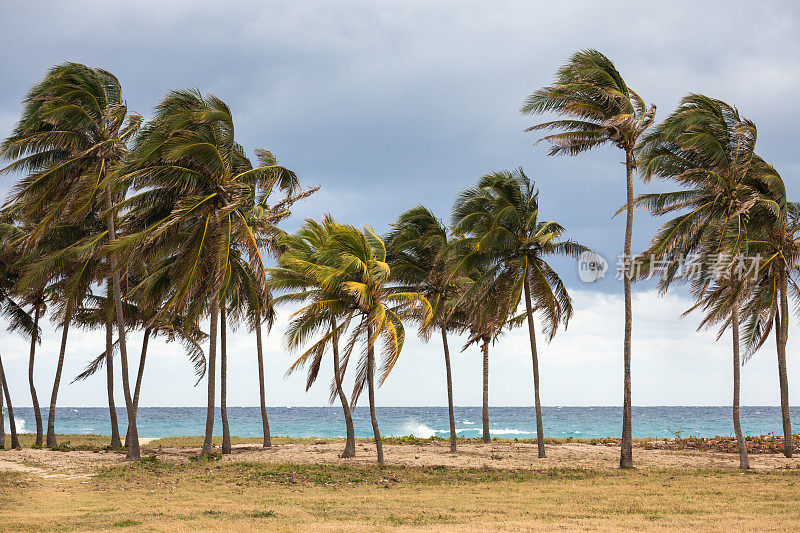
point(601, 109)
point(74, 129)
point(778, 242)
point(500, 220)
point(706, 147)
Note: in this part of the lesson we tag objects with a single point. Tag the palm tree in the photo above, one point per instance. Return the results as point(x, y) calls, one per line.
point(352, 271)
point(9, 233)
point(93, 317)
point(600, 109)
point(38, 305)
point(299, 251)
point(20, 321)
point(778, 242)
point(706, 147)
point(2, 424)
point(483, 314)
point(62, 266)
point(419, 250)
point(195, 188)
point(500, 219)
point(247, 289)
point(73, 131)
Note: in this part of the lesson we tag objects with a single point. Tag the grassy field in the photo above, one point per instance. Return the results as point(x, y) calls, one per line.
point(239, 495)
point(244, 497)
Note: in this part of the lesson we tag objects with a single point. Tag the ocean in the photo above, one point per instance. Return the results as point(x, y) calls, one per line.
point(505, 422)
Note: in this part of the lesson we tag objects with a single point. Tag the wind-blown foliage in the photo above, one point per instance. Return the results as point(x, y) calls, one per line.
point(351, 271)
point(499, 219)
point(708, 149)
point(420, 252)
point(600, 108)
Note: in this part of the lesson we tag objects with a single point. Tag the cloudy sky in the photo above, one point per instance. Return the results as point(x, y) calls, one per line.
point(389, 104)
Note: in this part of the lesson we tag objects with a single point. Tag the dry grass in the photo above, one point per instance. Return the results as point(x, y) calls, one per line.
point(245, 497)
point(259, 490)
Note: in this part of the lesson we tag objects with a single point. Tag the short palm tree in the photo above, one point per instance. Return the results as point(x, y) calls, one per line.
point(419, 253)
point(483, 313)
point(291, 276)
point(9, 233)
point(600, 109)
point(60, 268)
point(73, 132)
point(499, 218)
point(19, 321)
point(352, 268)
point(708, 149)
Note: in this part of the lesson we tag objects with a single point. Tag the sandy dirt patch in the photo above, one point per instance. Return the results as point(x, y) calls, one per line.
point(504, 455)
point(495, 455)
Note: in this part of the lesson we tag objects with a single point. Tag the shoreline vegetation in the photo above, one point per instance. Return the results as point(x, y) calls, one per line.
point(303, 485)
point(756, 444)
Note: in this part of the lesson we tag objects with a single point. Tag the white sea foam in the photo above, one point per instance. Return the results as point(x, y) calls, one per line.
point(467, 422)
point(20, 423)
point(412, 427)
point(509, 431)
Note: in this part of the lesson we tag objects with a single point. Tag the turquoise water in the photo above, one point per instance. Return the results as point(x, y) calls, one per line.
point(505, 422)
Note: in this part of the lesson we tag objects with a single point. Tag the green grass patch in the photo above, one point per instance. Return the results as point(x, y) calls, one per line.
point(126, 523)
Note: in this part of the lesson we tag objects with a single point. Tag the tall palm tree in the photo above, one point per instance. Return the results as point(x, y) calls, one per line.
point(73, 131)
point(352, 269)
point(419, 252)
point(291, 276)
point(500, 219)
point(245, 291)
point(195, 188)
point(600, 109)
point(708, 149)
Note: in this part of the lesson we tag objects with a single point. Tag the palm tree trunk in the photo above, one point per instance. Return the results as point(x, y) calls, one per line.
point(350, 445)
point(223, 386)
point(449, 375)
point(2, 423)
point(112, 408)
point(626, 449)
point(261, 389)
point(485, 349)
point(51, 414)
point(37, 413)
point(371, 385)
point(139, 375)
point(212, 363)
point(535, 358)
point(133, 434)
point(12, 425)
point(782, 336)
point(737, 426)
